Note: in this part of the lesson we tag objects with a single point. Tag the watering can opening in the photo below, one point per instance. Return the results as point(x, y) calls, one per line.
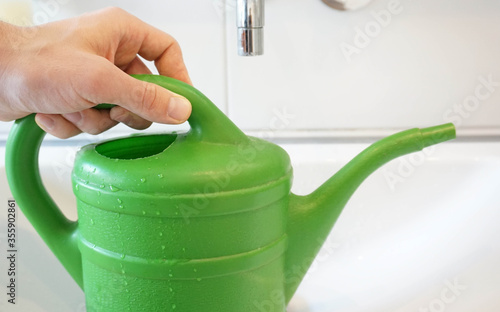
point(136, 147)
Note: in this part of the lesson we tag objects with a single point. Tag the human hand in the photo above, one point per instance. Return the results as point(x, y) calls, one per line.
point(70, 66)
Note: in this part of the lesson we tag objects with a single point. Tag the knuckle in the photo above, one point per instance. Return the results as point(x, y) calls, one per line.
point(63, 133)
point(98, 127)
point(113, 10)
point(95, 80)
point(93, 130)
point(62, 136)
point(147, 97)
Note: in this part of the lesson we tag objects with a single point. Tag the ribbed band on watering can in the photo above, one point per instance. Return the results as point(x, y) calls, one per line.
point(161, 169)
point(234, 188)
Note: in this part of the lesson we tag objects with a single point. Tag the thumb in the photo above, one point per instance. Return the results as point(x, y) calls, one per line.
point(145, 99)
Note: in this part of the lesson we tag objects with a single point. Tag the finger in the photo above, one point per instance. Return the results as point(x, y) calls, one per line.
point(155, 45)
point(93, 121)
point(168, 64)
point(136, 67)
point(56, 125)
point(106, 83)
point(153, 102)
point(122, 115)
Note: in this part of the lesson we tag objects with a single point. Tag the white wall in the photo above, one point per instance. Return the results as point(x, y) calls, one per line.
point(394, 64)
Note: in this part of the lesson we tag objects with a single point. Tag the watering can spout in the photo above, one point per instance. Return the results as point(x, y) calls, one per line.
point(311, 217)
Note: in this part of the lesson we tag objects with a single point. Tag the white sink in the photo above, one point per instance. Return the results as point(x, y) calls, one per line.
point(420, 234)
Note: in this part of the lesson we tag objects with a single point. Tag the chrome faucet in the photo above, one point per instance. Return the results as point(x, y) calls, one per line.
point(250, 22)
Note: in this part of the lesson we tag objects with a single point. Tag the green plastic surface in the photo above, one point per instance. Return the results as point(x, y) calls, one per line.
point(196, 221)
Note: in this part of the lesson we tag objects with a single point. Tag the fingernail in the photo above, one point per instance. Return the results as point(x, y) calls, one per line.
point(179, 108)
point(73, 117)
point(45, 122)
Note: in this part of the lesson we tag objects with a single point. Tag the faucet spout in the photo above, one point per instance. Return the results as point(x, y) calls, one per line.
point(250, 22)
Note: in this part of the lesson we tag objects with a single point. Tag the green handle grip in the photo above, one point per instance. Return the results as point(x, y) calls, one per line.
point(207, 123)
point(21, 161)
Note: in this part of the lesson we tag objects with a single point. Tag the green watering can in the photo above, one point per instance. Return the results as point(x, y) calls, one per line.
point(196, 221)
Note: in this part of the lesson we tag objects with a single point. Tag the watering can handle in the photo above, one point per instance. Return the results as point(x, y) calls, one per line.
point(207, 123)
